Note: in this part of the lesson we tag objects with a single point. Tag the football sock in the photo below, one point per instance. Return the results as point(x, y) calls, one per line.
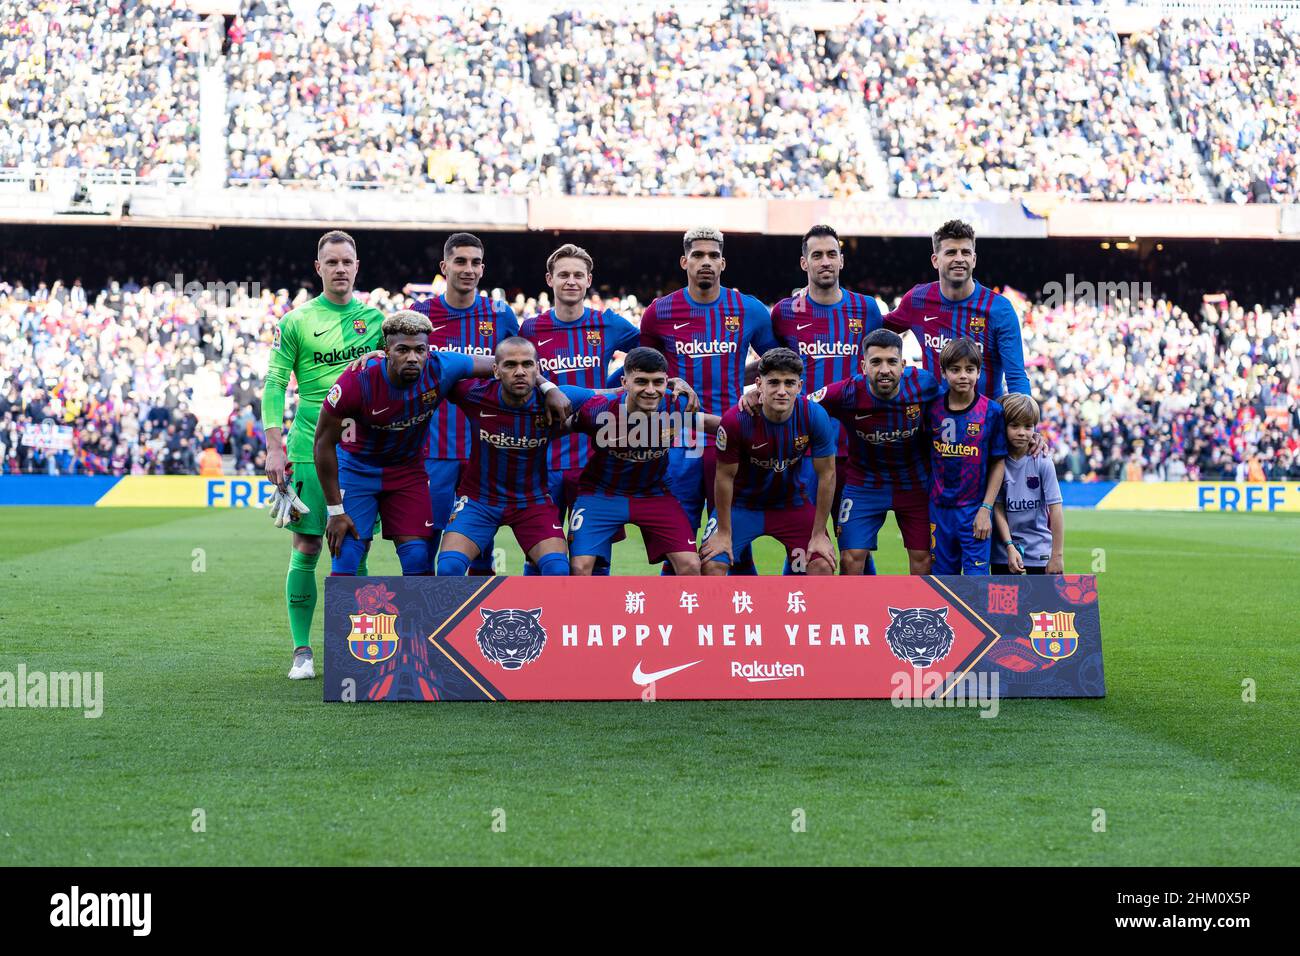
point(870, 566)
point(414, 557)
point(300, 595)
point(530, 569)
point(452, 564)
point(553, 564)
point(351, 553)
point(481, 567)
point(362, 570)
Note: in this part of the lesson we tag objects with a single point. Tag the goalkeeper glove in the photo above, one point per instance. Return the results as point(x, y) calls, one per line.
point(286, 506)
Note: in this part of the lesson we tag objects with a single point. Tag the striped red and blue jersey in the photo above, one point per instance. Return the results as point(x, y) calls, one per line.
point(472, 331)
point(578, 353)
point(963, 446)
point(984, 316)
point(635, 463)
point(887, 437)
point(392, 423)
point(507, 465)
point(769, 453)
point(828, 338)
point(707, 345)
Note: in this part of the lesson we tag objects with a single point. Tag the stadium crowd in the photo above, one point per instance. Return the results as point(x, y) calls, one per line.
point(108, 85)
point(147, 381)
point(1235, 92)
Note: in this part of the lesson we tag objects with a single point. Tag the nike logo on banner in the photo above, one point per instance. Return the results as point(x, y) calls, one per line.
point(807, 326)
point(320, 333)
point(379, 411)
point(681, 326)
point(644, 679)
point(542, 342)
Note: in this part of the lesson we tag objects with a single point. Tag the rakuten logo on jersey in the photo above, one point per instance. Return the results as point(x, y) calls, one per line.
point(569, 363)
point(827, 349)
point(500, 440)
point(757, 672)
point(698, 349)
point(464, 349)
point(938, 342)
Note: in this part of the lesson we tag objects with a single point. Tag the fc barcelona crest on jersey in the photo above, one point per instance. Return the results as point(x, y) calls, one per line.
point(1053, 635)
point(359, 326)
point(732, 322)
point(973, 428)
point(977, 323)
point(485, 327)
point(855, 324)
point(593, 337)
point(373, 638)
point(800, 442)
point(429, 397)
point(913, 411)
point(539, 421)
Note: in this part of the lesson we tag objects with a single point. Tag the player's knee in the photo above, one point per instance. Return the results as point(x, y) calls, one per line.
point(452, 564)
point(851, 562)
point(819, 565)
point(715, 569)
point(303, 560)
point(688, 562)
point(553, 565)
point(582, 565)
point(413, 557)
point(351, 551)
point(306, 543)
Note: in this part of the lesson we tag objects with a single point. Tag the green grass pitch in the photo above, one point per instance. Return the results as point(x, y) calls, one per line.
point(198, 715)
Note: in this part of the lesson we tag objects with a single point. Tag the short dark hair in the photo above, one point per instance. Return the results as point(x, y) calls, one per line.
point(514, 341)
point(817, 232)
point(644, 359)
point(457, 239)
point(335, 235)
point(780, 360)
point(953, 229)
point(963, 349)
point(883, 339)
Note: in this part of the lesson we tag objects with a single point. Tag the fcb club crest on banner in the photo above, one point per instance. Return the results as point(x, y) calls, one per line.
point(373, 638)
point(359, 326)
point(1053, 635)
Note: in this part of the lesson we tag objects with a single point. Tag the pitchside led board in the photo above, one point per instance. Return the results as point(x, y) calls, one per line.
point(701, 638)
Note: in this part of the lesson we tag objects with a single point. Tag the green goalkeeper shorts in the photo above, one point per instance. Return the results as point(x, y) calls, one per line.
point(307, 486)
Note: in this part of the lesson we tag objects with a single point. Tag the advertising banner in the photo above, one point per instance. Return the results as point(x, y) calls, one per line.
point(701, 638)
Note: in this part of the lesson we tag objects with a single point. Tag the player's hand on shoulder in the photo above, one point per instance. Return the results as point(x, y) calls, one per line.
point(558, 407)
point(1038, 445)
point(362, 362)
point(679, 386)
point(750, 401)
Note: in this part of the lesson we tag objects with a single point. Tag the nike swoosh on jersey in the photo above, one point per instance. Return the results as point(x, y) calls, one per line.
point(759, 445)
point(379, 411)
point(805, 326)
point(543, 342)
point(682, 326)
point(320, 333)
point(644, 679)
point(437, 327)
point(487, 414)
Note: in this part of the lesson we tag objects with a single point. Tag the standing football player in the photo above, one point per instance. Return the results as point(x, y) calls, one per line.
point(575, 346)
point(825, 324)
point(760, 490)
point(505, 481)
point(313, 344)
point(956, 306)
point(462, 321)
point(889, 458)
point(624, 480)
point(705, 331)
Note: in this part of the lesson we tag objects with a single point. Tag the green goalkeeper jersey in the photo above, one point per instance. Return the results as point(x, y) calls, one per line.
point(315, 342)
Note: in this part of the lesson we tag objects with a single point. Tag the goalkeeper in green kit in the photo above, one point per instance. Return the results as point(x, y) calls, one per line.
point(315, 343)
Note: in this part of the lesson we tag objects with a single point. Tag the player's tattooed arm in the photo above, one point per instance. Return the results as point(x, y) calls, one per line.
point(679, 386)
point(329, 432)
point(558, 407)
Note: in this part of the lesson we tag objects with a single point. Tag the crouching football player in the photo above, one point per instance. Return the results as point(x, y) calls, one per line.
point(625, 479)
point(505, 481)
point(370, 444)
point(757, 489)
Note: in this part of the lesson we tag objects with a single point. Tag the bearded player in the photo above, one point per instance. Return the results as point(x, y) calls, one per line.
point(824, 324)
point(313, 344)
point(883, 410)
point(370, 445)
point(760, 490)
point(575, 346)
point(705, 331)
point(956, 306)
point(624, 481)
point(462, 321)
point(505, 481)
